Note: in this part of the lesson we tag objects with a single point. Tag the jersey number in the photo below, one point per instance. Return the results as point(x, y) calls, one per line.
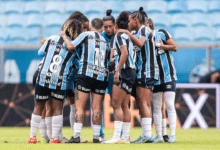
point(97, 57)
point(55, 65)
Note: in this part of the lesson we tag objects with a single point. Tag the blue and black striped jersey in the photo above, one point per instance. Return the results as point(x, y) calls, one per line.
point(146, 56)
point(122, 39)
point(94, 59)
point(57, 64)
point(165, 60)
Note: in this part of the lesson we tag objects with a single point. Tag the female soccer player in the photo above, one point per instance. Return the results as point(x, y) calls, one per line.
point(124, 79)
point(147, 70)
point(167, 81)
point(52, 79)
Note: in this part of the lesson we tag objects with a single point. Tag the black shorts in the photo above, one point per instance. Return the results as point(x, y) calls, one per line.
point(35, 77)
point(43, 94)
point(169, 86)
point(146, 82)
point(127, 80)
point(70, 93)
point(87, 84)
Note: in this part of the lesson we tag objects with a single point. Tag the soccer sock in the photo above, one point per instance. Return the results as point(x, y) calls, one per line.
point(171, 111)
point(164, 126)
point(43, 128)
point(77, 129)
point(147, 126)
point(157, 113)
point(61, 132)
point(142, 129)
point(48, 121)
point(35, 123)
point(117, 128)
point(96, 130)
point(72, 116)
point(126, 130)
point(57, 122)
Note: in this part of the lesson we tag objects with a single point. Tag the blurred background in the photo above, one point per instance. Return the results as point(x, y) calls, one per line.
point(193, 24)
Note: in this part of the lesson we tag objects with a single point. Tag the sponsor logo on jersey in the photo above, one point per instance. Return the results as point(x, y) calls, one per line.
point(40, 97)
point(57, 95)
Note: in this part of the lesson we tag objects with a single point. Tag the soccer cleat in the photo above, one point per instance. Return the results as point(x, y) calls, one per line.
point(147, 140)
point(83, 141)
point(55, 141)
point(141, 139)
point(74, 140)
point(165, 138)
point(64, 139)
point(45, 140)
point(112, 140)
point(32, 140)
point(96, 141)
point(158, 140)
point(125, 141)
point(172, 139)
point(102, 138)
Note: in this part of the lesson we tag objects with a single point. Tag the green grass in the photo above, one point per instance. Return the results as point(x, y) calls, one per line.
point(195, 139)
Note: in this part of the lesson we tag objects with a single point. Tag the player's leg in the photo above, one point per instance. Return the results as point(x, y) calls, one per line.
point(43, 128)
point(157, 114)
point(169, 96)
point(164, 120)
point(71, 99)
point(48, 117)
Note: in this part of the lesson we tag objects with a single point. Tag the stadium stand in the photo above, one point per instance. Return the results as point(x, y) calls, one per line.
point(16, 21)
point(72, 6)
point(17, 36)
point(214, 6)
point(203, 34)
point(156, 7)
point(35, 21)
point(13, 8)
point(201, 20)
point(197, 6)
point(93, 8)
point(176, 7)
point(183, 35)
point(34, 7)
point(180, 20)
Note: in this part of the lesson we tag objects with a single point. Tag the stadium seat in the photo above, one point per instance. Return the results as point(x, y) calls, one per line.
point(93, 16)
point(134, 6)
point(74, 6)
point(17, 36)
point(156, 7)
point(161, 20)
point(201, 20)
point(94, 7)
point(47, 32)
point(114, 6)
point(52, 7)
point(176, 7)
point(33, 35)
point(54, 20)
point(197, 6)
point(13, 8)
point(217, 37)
point(4, 35)
point(180, 20)
point(35, 21)
point(3, 20)
point(34, 7)
point(16, 21)
point(215, 20)
point(214, 6)
point(182, 35)
point(204, 34)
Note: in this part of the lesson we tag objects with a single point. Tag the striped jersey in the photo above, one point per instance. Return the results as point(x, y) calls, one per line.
point(57, 63)
point(94, 58)
point(146, 56)
point(122, 39)
point(165, 60)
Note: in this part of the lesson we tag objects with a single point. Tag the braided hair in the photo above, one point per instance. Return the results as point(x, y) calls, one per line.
point(140, 14)
point(122, 20)
point(109, 16)
point(151, 23)
point(72, 28)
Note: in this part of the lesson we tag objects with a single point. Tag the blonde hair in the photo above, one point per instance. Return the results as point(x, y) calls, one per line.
point(150, 22)
point(72, 28)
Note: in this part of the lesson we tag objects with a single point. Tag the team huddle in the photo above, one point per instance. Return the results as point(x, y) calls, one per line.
point(129, 58)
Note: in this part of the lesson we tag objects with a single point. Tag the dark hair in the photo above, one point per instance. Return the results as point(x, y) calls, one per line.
point(72, 28)
point(140, 14)
point(78, 16)
point(151, 23)
point(97, 23)
point(109, 16)
point(122, 20)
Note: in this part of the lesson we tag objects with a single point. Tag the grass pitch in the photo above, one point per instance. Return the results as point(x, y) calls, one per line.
point(196, 139)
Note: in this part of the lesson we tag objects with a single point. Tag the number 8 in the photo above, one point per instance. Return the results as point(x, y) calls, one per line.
point(55, 66)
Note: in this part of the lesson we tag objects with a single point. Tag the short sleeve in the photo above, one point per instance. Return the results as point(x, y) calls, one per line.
point(166, 34)
point(121, 40)
point(44, 48)
point(79, 40)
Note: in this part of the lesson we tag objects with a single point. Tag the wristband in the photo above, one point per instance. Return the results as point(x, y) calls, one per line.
point(157, 45)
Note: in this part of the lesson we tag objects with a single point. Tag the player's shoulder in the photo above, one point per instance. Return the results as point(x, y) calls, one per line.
point(165, 33)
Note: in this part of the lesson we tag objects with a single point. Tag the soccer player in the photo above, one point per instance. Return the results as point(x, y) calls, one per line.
point(167, 81)
point(92, 76)
point(147, 70)
point(124, 79)
point(52, 78)
point(108, 34)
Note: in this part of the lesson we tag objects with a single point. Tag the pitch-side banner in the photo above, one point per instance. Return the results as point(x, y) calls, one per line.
point(197, 105)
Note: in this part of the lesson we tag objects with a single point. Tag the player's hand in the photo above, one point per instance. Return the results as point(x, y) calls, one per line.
point(122, 31)
point(42, 42)
point(116, 77)
point(62, 33)
point(112, 60)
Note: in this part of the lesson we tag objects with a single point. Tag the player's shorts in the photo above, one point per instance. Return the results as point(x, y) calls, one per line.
point(169, 86)
point(35, 77)
point(110, 84)
point(70, 93)
point(146, 83)
point(43, 93)
point(127, 80)
point(87, 84)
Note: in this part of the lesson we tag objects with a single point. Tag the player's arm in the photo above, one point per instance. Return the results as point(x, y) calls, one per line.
point(44, 40)
point(42, 51)
point(138, 42)
point(68, 43)
point(214, 77)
